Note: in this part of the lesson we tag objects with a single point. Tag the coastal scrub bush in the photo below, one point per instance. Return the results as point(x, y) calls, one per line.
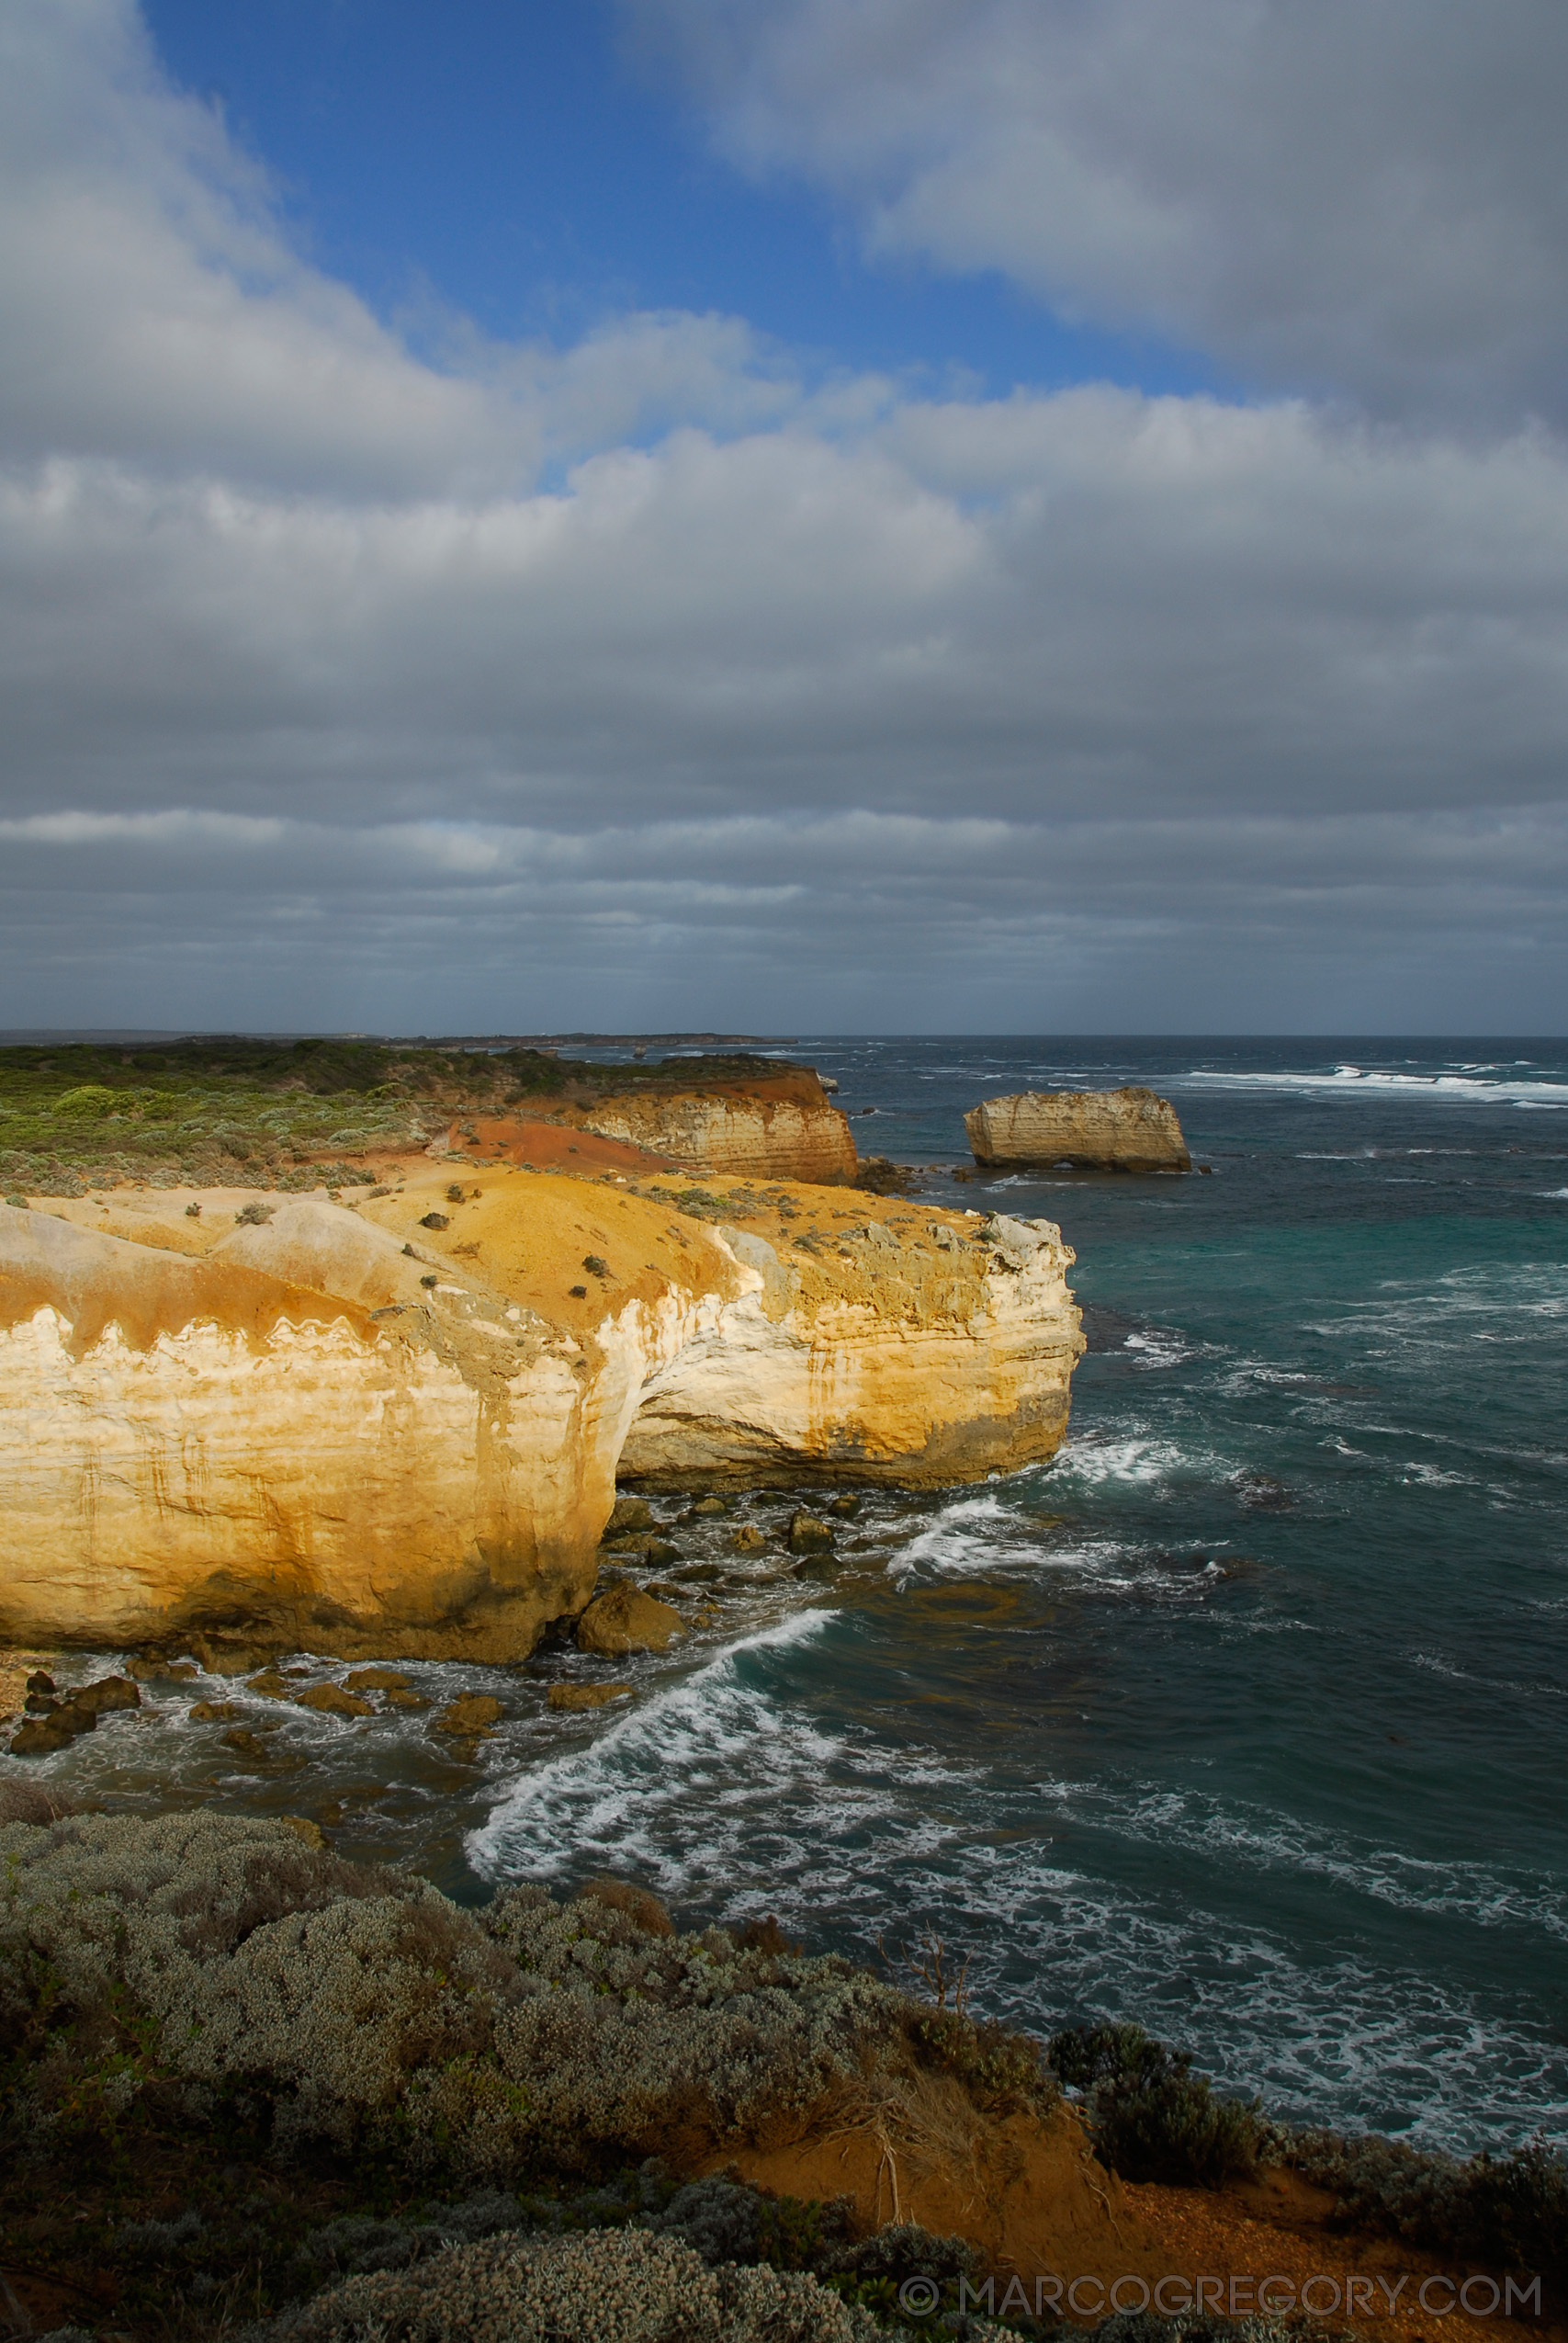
point(620, 2286)
point(1510, 2210)
point(213, 1967)
point(1152, 2118)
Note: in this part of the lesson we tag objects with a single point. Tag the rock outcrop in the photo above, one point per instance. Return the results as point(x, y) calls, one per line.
point(1100, 1130)
point(336, 1427)
point(776, 1127)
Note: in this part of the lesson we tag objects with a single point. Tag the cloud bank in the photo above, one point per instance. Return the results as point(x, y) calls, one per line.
point(652, 680)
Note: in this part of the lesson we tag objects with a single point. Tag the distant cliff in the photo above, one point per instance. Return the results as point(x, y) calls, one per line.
point(1102, 1130)
point(395, 1427)
point(779, 1126)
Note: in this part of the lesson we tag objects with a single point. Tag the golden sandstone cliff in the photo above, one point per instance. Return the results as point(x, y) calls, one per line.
point(1102, 1130)
point(395, 1426)
point(777, 1126)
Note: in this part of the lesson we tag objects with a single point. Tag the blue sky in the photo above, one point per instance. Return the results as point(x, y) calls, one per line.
point(881, 514)
point(530, 165)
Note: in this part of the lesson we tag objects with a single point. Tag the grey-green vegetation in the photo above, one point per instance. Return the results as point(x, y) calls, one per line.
point(236, 1110)
point(243, 2080)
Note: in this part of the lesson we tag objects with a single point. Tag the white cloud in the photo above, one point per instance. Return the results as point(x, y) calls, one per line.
point(341, 690)
point(1340, 195)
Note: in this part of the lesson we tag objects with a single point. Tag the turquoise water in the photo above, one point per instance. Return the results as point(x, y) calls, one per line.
point(1245, 1717)
point(1274, 1764)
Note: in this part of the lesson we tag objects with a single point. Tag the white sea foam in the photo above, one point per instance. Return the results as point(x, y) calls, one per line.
point(690, 1750)
point(1157, 1347)
point(1141, 1458)
point(1279, 1842)
point(1350, 1082)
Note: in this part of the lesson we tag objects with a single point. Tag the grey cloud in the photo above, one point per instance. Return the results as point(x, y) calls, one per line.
point(420, 698)
point(1368, 200)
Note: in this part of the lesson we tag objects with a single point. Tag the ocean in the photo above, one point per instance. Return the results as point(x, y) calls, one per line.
point(1245, 1717)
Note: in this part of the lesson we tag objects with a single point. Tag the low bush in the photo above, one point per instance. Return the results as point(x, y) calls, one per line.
point(212, 1969)
point(623, 2286)
point(1510, 2210)
point(1152, 2118)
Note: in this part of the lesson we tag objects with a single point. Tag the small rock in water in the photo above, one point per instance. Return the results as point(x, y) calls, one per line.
point(849, 1506)
point(749, 1539)
point(1261, 1492)
point(809, 1533)
point(659, 1551)
point(269, 1684)
point(708, 1505)
point(476, 1713)
point(629, 1513)
point(39, 1703)
point(246, 1744)
point(214, 1711)
point(110, 1693)
point(40, 1736)
point(623, 1620)
point(585, 1695)
point(330, 1700)
point(407, 1700)
point(376, 1679)
point(40, 1682)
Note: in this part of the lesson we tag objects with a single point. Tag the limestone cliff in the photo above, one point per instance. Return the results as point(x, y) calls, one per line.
point(777, 1128)
point(395, 1426)
point(1102, 1130)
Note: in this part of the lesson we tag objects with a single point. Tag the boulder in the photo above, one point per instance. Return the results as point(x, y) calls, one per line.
point(809, 1533)
point(109, 1693)
point(41, 1736)
point(376, 1679)
point(330, 1700)
point(1131, 1129)
point(749, 1539)
point(576, 1696)
point(475, 1713)
point(624, 1620)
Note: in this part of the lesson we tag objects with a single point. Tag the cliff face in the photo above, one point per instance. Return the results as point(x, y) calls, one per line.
point(1103, 1130)
point(344, 1429)
point(778, 1127)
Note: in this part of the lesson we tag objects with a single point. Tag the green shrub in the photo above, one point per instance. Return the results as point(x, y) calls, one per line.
point(1152, 2118)
point(1510, 2210)
point(204, 1962)
point(88, 1102)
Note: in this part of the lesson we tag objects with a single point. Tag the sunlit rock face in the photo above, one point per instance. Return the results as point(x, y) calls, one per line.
point(778, 1128)
point(1101, 1130)
point(342, 1427)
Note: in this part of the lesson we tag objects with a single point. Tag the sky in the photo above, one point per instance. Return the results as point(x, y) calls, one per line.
point(906, 515)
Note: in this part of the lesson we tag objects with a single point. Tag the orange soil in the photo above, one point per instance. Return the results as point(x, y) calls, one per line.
point(1036, 2203)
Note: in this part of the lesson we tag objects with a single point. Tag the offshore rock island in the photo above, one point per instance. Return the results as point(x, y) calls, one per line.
point(1131, 1129)
point(387, 1417)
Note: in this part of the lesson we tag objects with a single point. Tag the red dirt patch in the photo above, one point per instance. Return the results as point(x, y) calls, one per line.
point(1036, 2203)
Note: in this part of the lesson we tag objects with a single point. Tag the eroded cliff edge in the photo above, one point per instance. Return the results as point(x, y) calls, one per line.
point(395, 1426)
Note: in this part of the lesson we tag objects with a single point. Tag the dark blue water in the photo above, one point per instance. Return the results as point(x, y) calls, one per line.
point(1246, 1716)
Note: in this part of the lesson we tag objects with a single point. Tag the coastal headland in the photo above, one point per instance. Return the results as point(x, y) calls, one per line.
point(385, 1413)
